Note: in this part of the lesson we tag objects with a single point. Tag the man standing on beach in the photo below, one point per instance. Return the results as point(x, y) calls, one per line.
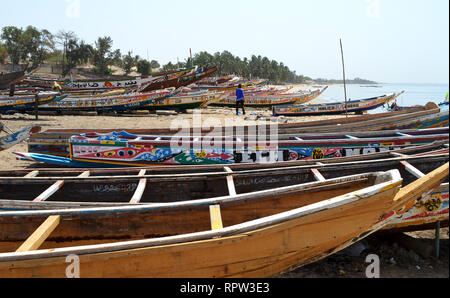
point(240, 99)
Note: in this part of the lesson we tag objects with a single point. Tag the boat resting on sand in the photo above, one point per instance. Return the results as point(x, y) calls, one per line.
point(8, 79)
point(179, 80)
point(270, 100)
point(70, 189)
point(352, 106)
point(15, 138)
point(59, 189)
point(27, 102)
point(56, 141)
point(123, 102)
point(185, 101)
point(262, 247)
point(92, 85)
point(122, 149)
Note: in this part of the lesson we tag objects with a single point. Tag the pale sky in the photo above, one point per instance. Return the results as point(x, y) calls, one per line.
point(392, 41)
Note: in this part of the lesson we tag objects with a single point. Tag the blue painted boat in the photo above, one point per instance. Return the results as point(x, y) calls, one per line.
point(26, 103)
point(122, 149)
point(123, 102)
point(339, 108)
point(13, 139)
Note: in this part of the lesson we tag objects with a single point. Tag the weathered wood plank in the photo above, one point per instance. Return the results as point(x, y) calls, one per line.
point(216, 217)
point(395, 154)
point(32, 174)
point(412, 170)
point(40, 235)
point(230, 182)
point(55, 187)
point(140, 189)
point(85, 174)
point(50, 191)
point(317, 175)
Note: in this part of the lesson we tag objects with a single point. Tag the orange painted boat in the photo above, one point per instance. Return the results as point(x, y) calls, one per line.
point(261, 247)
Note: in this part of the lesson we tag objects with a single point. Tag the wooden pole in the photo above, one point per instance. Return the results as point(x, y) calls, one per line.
point(343, 70)
point(437, 239)
point(36, 106)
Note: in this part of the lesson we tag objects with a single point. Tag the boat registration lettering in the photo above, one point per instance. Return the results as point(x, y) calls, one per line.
point(130, 187)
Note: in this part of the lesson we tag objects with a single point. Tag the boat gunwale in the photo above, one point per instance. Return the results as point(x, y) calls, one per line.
point(235, 173)
point(253, 226)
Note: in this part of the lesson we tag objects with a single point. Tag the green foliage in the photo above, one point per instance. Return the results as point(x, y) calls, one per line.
point(13, 43)
point(354, 81)
point(37, 45)
point(144, 67)
point(104, 56)
point(256, 67)
point(171, 66)
point(3, 54)
point(155, 64)
point(128, 62)
point(30, 44)
point(76, 54)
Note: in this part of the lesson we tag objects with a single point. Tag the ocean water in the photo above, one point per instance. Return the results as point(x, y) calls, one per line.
point(415, 94)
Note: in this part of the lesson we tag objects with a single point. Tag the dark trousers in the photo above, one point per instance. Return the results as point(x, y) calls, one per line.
point(240, 104)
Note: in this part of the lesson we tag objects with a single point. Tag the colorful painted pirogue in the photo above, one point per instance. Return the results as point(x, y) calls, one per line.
point(184, 101)
point(27, 102)
point(15, 138)
point(123, 102)
point(56, 141)
point(430, 121)
point(317, 227)
point(123, 149)
point(98, 84)
point(268, 99)
point(178, 80)
point(352, 106)
point(430, 208)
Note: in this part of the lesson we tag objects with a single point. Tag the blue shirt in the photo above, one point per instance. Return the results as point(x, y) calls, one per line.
point(239, 94)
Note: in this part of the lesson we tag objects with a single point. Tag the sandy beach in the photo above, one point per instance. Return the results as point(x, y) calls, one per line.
point(396, 261)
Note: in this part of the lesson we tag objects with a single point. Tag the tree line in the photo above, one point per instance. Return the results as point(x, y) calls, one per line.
point(65, 47)
point(31, 45)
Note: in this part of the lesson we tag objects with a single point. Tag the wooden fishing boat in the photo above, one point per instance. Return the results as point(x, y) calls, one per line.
point(15, 138)
point(261, 247)
point(56, 141)
point(352, 106)
point(437, 147)
point(28, 102)
point(180, 80)
point(93, 85)
point(70, 189)
point(429, 209)
point(269, 100)
point(87, 85)
point(230, 86)
point(11, 78)
point(162, 185)
point(125, 102)
point(444, 103)
point(121, 149)
point(185, 101)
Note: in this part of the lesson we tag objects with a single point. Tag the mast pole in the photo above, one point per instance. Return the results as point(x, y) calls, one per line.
point(343, 70)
